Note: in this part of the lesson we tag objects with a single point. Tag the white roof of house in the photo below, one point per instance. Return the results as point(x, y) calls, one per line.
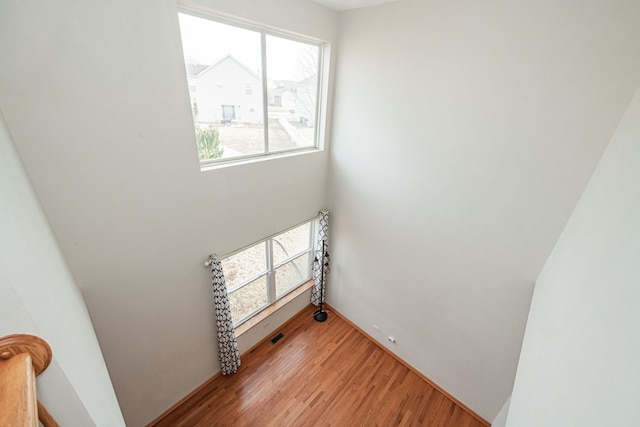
point(196, 70)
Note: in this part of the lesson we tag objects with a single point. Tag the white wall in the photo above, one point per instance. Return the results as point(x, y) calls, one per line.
point(579, 361)
point(38, 296)
point(464, 134)
point(95, 94)
point(501, 419)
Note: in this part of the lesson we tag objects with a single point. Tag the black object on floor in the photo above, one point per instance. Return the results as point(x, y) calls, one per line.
point(276, 338)
point(320, 315)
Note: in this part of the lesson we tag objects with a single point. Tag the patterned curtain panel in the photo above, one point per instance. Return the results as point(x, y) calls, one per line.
point(322, 257)
point(227, 344)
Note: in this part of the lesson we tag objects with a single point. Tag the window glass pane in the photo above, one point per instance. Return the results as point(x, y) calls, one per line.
point(293, 274)
point(291, 243)
point(224, 76)
point(244, 265)
point(248, 299)
point(292, 73)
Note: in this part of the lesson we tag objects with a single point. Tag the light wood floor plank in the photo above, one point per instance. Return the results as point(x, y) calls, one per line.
point(319, 374)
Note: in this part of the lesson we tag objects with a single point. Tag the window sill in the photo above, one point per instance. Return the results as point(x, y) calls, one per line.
point(269, 310)
point(220, 164)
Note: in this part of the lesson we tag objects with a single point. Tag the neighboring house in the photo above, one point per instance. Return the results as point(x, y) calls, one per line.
point(297, 99)
point(225, 92)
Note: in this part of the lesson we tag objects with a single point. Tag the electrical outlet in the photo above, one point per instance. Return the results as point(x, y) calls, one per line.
point(391, 339)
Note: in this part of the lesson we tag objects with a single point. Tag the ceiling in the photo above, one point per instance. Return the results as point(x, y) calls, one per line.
point(350, 4)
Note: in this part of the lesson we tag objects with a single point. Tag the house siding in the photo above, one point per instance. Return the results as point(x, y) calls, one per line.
point(225, 84)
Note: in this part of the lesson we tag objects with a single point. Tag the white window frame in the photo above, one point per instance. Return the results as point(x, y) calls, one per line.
point(271, 268)
point(320, 87)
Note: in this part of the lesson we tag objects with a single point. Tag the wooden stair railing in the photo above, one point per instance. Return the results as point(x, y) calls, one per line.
point(22, 359)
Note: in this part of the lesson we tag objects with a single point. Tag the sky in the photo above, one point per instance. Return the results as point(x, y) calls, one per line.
point(205, 42)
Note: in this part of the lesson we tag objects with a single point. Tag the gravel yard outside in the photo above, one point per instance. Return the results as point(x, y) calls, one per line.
point(251, 264)
point(244, 139)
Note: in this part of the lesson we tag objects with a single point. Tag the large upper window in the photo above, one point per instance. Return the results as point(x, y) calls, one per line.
point(253, 92)
point(263, 273)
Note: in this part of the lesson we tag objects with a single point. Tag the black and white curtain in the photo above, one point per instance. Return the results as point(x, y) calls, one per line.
point(321, 262)
point(227, 344)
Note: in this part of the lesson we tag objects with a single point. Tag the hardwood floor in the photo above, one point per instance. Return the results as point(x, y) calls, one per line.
point(319, 374)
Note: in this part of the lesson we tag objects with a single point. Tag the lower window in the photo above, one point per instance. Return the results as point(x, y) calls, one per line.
point(265, 272)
